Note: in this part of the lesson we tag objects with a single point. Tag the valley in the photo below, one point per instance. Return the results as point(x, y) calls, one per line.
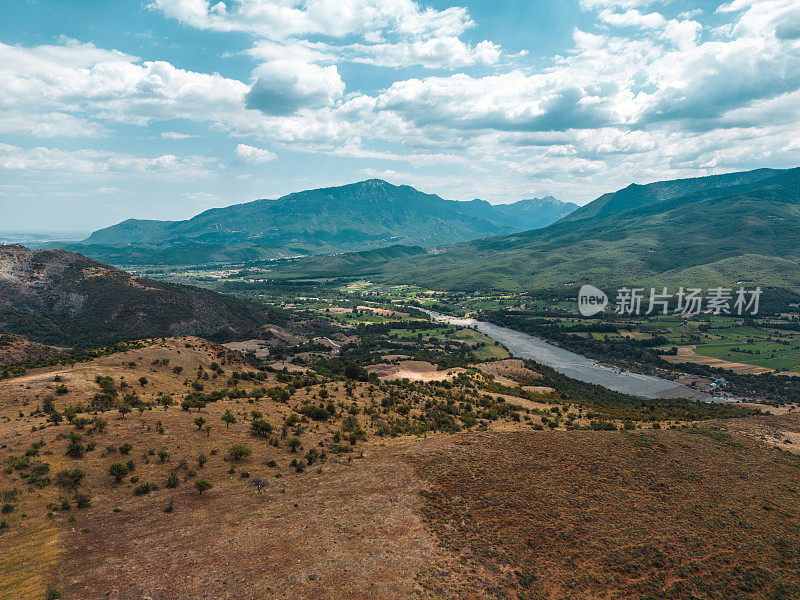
point(431, 437)
point(400, 300)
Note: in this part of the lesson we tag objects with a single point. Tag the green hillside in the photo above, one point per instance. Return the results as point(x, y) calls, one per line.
point(743, 228)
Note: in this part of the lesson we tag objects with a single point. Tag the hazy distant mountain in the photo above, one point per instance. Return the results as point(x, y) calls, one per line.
point(533, 213)
point(360, 216)
point(63, 298)
point(741, 227)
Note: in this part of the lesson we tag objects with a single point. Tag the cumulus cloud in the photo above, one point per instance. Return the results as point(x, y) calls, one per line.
point(283, 87)
point(632, 18)
point(45, 81)
point(391, 33)
point(254, 156)
point(639, 92)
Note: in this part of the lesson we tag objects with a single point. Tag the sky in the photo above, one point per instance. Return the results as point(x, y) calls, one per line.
point(161, 109)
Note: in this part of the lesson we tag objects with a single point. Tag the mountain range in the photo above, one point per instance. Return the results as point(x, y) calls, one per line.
point(360, 216)
point(62, 298)
point(738, 228)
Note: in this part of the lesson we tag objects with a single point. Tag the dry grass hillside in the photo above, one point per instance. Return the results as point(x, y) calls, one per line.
point(175, 470)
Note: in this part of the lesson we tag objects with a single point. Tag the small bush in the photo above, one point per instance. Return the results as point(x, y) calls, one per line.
point(202, 485)
point(142, 489)
point(118, 471)
point(239, 451)
point(83, 500)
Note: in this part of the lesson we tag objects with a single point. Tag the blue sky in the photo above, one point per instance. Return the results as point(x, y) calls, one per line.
point(164, 108)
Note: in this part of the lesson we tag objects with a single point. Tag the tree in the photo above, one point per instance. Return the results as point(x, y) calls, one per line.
point(261, 427)
point(69, 479)
point(199, 421)
point(202, 485)
point(239, 451)
point(228, 418)
point(118, 471)
point(294, 444)
point(124, 409)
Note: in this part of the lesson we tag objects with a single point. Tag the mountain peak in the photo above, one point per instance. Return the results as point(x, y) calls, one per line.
point(363, 215)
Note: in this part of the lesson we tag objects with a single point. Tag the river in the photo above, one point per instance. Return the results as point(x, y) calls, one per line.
point(576, 366)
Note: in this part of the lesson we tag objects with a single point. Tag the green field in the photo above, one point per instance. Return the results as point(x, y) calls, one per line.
point(489, 351)
point(772, 355)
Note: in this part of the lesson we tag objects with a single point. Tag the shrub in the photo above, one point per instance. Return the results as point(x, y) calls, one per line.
point(75, 449)
point(125, 448)
point(317, 413)
point(239, 451)
point(69, 479)
point(202, 485)
point(142, 489)
point(261, 427)
point(172, 480)
point(83, 500)
point(118, 471)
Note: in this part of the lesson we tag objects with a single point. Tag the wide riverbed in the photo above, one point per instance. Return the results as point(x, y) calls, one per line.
point(574, 365)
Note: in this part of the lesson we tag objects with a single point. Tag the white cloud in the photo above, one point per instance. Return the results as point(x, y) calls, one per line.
point(254, 156)
point(94, 162)
point(283, 87)
point(614, 4)
point(632, 18)
point(175, 135)
point(439, 52)
point(282, 19)
point(638, 93)
point(45, 81)
point(389, 33)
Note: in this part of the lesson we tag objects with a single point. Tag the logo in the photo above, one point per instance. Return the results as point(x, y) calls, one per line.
point(591, 300)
